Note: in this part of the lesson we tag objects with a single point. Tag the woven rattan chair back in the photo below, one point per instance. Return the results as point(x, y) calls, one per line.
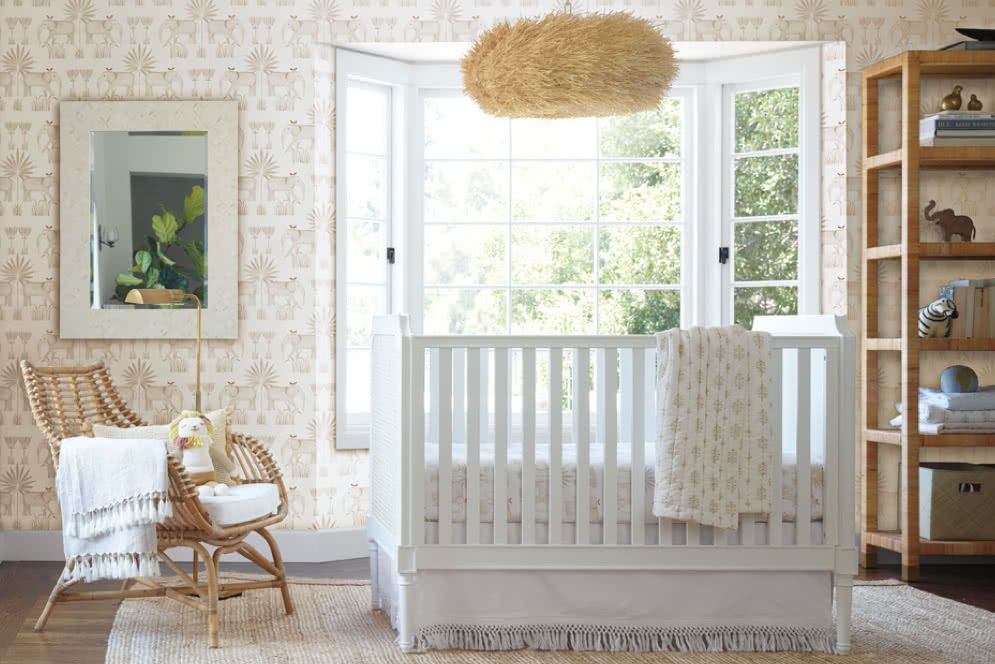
point(63, 399)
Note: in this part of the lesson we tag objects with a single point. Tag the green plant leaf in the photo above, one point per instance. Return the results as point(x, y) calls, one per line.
point(143, 260)
point(165, 226)
point(128, 280)
point(152, 278)
point(195, 250)
point(166, 260)
point(193, 203)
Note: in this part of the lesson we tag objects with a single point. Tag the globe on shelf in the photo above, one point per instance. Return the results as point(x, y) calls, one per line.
point(959, 378)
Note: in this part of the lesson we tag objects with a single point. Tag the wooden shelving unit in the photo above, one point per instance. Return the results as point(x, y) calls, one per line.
point(910, 68)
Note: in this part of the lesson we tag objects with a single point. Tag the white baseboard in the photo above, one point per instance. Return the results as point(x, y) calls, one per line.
point(297, 546)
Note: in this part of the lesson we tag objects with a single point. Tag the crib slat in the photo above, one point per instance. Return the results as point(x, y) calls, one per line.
point(555, 445)
point(473, 402)
point(830, 480)
point(607, 403)
point(777, 444)
point(694, 534)
point(444, 407)
point(803, 511)
point(748, 530)
point(665, 532)
point(501, 410)
point(433, 398)
point(637, 473)
point(528, 444)
point(418, 445)
point(459, 389)
point(582, 439)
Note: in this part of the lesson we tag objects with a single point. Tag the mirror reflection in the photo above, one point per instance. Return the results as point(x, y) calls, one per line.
point(148, 213)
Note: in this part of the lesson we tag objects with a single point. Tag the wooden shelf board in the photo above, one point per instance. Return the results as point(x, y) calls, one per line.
point(886, 436)
point(980, 344)
point(937, 64)
point(885, 68)
point(882, 344)
point(958, 440)
point(891, 159)
point(957, 250)
point(892, 541)
point(940, 157)
point(883, 252)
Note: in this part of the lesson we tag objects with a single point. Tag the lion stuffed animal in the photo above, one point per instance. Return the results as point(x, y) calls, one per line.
point(191, 433)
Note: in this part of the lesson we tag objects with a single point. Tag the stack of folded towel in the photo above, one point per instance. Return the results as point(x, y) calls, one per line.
point(949, 412)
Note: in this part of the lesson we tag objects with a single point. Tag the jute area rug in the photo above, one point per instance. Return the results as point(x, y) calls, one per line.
point(333, 623)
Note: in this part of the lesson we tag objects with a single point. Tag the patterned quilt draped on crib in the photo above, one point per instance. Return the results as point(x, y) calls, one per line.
point(714, 427)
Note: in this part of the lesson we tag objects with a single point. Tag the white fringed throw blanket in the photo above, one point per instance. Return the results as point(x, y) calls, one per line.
point(112, 493)
point(713, 425)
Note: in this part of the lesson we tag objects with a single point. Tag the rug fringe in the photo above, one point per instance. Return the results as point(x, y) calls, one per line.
point(622, 638)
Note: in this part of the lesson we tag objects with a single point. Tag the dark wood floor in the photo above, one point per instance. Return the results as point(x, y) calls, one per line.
point(77, 633)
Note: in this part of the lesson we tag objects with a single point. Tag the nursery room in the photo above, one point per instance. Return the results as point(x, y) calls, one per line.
point(462, 331)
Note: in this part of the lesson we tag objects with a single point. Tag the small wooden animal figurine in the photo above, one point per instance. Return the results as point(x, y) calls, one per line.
point(975, 104)
point(951, 223)
point(952, 101)
point(936, 318)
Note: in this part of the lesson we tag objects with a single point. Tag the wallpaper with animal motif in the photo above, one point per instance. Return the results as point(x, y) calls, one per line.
point(261, 52)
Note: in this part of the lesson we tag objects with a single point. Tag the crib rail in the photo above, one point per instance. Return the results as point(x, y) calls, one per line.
point(456, 406)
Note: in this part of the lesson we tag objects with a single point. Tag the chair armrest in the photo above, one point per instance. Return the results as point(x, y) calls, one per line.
point(255, 461)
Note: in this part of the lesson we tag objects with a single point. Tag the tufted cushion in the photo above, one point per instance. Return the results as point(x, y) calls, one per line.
point(245, 502)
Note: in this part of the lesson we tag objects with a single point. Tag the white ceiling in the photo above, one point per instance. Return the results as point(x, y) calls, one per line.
point(453, 51)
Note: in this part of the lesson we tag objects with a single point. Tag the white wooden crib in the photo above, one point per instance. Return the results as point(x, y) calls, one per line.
point(462, 425)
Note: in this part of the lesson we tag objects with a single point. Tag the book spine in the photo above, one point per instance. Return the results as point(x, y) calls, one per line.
point(947, 123)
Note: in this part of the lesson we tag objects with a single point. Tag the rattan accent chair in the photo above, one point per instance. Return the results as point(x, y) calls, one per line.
point(63, 399)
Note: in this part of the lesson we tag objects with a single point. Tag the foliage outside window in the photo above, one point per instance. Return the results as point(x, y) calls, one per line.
point(558, 227)
point(765, 203)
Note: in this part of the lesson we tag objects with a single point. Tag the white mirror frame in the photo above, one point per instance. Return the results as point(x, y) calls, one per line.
point(77, 318)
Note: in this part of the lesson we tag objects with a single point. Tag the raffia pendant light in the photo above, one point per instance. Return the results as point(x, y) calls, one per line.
point(565, 65)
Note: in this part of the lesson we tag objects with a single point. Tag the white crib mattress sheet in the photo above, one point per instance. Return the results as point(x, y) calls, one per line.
point(789, 473)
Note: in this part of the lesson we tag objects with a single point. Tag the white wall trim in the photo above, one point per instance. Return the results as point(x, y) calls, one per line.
point(297, 546)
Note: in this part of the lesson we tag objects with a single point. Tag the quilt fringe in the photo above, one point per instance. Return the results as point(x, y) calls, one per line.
point(137, 510)
point(622, 638)
point(93, 567)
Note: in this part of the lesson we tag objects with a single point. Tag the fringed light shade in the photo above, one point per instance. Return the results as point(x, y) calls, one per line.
point(565, 65)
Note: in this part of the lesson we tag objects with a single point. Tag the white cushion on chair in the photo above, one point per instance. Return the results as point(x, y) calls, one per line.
point(244, 502)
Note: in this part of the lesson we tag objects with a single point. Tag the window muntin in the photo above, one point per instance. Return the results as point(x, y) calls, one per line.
point(577, 228)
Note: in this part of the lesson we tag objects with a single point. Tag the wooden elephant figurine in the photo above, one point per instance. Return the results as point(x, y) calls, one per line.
point(950, 223)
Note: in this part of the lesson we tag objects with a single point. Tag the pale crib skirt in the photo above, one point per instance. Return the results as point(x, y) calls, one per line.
point(612, 610)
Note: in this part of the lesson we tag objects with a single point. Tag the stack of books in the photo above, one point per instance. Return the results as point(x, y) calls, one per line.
point(955, 128)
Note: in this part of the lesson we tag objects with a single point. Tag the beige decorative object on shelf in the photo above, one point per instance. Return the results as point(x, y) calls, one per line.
point(952, 101)
point(975, 104)
point(951, 223)
point(565, 65)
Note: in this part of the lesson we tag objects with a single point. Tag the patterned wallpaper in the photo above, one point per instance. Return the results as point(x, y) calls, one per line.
point(261, 51)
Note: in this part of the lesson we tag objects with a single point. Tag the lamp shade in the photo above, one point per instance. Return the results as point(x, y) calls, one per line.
point(565, 65)
point(155, 296)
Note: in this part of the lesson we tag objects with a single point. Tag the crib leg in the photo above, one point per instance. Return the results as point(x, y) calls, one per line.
point(374, 553)
point(844, 607)
point(405, 612)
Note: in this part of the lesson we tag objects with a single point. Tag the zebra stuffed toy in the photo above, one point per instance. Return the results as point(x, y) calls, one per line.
point(936, 319)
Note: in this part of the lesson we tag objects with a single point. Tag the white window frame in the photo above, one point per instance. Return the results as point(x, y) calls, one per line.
point(360, 69)
point(706, 197)
point(722, 80)
point(450, 84)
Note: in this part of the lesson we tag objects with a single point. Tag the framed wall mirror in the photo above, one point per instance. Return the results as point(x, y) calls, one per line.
point(148, 200)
